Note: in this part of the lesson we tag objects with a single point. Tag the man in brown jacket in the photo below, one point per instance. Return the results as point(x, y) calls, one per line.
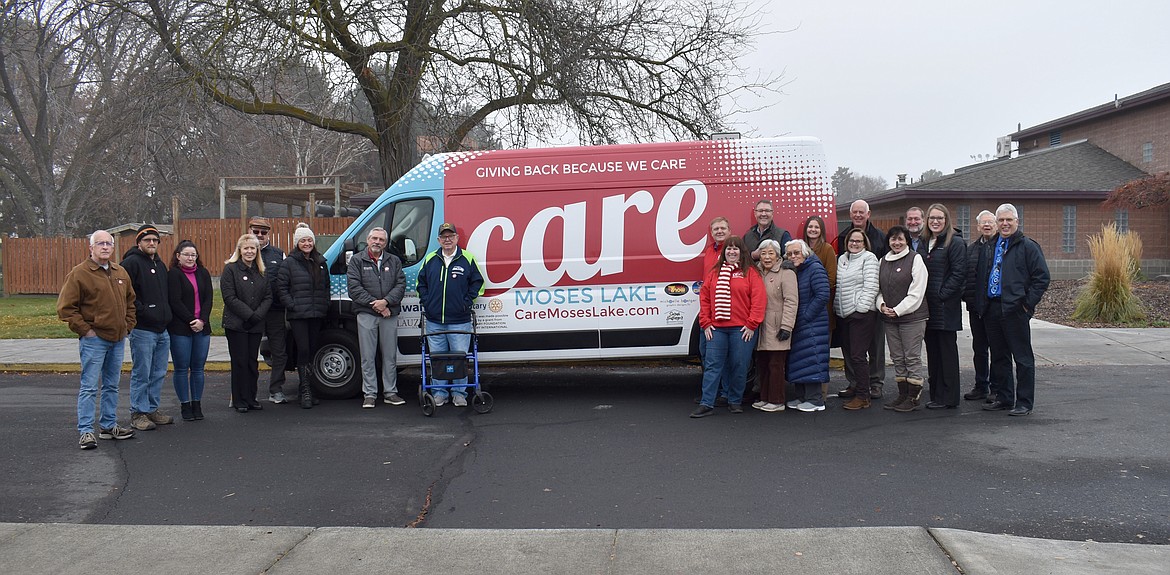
point(97, 301)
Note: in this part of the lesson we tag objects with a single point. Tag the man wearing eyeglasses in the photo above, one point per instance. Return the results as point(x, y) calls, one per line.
point(448, 283)
point(275, 328)
point(150, 343)
point(97, 302)
point(765, 229)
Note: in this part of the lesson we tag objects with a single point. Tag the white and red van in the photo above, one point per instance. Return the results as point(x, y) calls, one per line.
point(588, 252)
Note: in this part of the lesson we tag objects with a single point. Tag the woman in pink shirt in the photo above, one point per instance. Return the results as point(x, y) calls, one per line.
point(189, 284)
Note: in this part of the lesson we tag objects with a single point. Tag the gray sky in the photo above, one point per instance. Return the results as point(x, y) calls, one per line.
point(904, 86)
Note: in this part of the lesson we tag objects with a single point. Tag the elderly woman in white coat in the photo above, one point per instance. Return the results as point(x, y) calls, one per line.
point(854, 303)
point(774, 337)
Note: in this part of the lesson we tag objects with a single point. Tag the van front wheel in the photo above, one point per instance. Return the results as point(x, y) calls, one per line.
point(337, 366)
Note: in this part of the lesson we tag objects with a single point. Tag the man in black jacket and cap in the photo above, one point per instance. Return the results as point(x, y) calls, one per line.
point(150, 344)
point(275, 328)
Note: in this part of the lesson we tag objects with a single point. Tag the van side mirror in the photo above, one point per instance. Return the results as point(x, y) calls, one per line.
point(341, 265)
point(412, 250)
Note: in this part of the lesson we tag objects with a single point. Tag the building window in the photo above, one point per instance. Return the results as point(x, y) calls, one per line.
point(1148, 153)
point(963, 217)
point(1068, 232)
point(1054, 138)
point(1122, 219)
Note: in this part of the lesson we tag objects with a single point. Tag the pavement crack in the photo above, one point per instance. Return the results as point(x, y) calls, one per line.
point(611, 566)
point(287, 551)
point(426, 507)
point(119, 487)
point(941, 547)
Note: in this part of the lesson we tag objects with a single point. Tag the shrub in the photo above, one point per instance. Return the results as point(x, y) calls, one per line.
point(1109, 297)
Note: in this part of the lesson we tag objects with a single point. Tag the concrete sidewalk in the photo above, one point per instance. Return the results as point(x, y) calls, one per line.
point(31, 549)
point(1054, 345)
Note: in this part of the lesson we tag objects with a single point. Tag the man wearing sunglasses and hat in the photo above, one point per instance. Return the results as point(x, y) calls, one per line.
point(275, 328)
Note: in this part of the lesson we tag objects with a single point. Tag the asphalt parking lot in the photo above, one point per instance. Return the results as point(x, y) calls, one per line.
point(611, 447)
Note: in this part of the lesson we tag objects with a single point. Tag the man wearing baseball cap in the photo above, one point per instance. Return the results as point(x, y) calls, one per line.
point(150, 344)
point(448, 283)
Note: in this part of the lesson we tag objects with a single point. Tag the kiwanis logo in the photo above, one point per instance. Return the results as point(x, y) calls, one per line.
point(495, 305)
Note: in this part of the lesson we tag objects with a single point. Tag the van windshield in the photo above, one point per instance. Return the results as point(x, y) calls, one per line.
point(408, 223)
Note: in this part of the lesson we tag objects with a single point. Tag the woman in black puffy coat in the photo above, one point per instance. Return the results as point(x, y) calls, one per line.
point(303, 287)
point(246, 298)
point(945, 253)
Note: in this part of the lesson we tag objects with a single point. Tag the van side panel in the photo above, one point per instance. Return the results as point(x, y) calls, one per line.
point(597, 251)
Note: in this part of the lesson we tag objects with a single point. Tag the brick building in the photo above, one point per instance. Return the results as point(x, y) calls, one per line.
point(1062, 172)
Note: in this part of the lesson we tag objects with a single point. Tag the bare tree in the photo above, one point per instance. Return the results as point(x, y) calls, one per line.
point(72, 79)
point(604, 70)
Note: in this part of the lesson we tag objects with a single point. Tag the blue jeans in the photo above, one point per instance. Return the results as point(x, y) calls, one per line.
point(727, 356)
point(449, 343)
point(101, 361)
point(189, 354)
point(149, 351)
point(702, 358)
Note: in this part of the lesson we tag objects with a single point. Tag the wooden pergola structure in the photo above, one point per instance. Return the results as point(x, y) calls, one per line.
point(286, 190)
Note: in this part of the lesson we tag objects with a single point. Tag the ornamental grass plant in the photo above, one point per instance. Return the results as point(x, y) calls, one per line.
point(1108, 297)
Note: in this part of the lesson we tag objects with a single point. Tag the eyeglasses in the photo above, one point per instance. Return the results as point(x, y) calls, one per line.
point(793, 254)
point(185, 255)
point(937, 218)
point(857, 241)
point(149, 240)
point(104, 244)
point(763, 211)
point(447, 237)
point(260, 232)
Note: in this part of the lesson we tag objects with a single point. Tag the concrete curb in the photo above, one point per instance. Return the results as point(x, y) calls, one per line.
point(79, 549)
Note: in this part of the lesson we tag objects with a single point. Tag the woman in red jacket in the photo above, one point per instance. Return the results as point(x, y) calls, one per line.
point(731, 307)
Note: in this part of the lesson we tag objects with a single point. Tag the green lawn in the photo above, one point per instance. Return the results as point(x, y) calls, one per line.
point(35, 317)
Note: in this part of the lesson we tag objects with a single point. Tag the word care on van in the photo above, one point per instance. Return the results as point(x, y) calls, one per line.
point(587, 252)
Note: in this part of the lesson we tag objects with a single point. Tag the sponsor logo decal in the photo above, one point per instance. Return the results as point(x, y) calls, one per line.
point(676, 289)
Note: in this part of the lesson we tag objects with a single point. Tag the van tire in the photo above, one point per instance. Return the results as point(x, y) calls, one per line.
point(337, 365)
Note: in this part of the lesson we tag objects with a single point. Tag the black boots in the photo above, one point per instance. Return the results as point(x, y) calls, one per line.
point(304, 388)
point(191, 410)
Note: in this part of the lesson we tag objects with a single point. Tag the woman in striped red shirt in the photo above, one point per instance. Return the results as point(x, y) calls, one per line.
point(731, 307)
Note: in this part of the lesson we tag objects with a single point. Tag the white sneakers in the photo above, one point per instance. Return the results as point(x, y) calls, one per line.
point(769, 407)
point(806, 406)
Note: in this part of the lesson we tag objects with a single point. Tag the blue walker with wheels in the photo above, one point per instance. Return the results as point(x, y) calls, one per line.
point(450, 367)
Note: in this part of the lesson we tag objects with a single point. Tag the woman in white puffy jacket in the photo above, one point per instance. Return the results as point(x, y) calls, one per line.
point(857, 290)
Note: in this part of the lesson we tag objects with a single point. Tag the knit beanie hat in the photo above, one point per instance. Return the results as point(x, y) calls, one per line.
point(146, 230)
point(303, 231)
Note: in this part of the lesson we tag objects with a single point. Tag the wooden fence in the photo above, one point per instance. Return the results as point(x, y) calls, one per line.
point(39, 265)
